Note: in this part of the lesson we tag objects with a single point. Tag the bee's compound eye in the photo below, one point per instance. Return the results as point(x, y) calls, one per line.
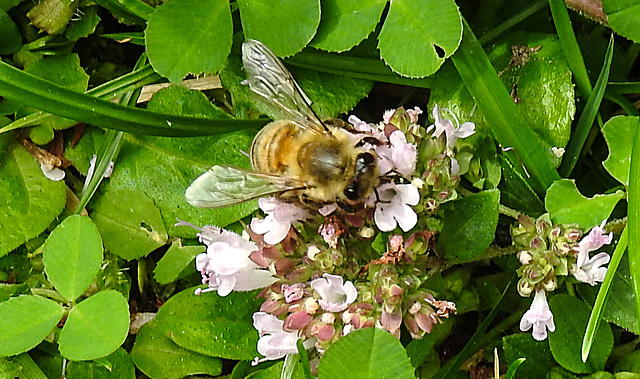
point(351, 192)
point(365, 159)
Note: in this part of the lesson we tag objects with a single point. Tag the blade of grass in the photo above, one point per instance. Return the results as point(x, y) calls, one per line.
point(355, 67)
point(579, 135)
point(107, 91)
point(511, 372)
point(603, 296)
point(46, 96)
point(634, 220)
point(508, 126)
point(570, 46)
point(496, 32)
point(624, 87)
point(134, 11)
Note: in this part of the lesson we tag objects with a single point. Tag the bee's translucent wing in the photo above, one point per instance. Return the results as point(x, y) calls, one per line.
point(269, 78)
point(223, 186)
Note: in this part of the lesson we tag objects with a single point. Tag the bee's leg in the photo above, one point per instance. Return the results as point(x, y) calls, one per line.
point(370, 140)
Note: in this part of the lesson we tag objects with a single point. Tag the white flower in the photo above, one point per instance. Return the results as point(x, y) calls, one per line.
point(452, 133)
point(539, 317)
point(226, 265)
point(51, 172)
point(400, 156)
point(280, 215)
point(336, 295)
point(274, 342)
point(92, 167)
point(589, 270)
point(393, 207)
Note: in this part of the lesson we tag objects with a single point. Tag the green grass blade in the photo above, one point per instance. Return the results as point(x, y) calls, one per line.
point(570, 46)
point(356, 67)
point(109, 90)
point(135, 11)
point(511, 372)
point(603, 295)
point(624, 87)
point(49, 97)
point(504, 119)
point(512, 21)
point(579, 135)
point(634, 218)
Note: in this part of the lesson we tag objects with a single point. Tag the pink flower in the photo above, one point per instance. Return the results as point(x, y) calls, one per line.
point(336, 295)
point(589, 270)
point(400, 156)
point(539, 317)
point(226, 265)
point(293, 292)
point(280, 215)
point(414, 113)
point(274, 342)
point(595, 239)
point(393, 207)
point(452, 133)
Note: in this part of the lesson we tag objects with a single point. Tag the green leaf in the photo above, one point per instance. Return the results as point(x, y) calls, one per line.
point(506, 123)
point(175, 261)
point(285, 26)
point(617, 132)
point(52, 16)
point(96, 327)
point(570, 316)
point(129, 222)
point(470, 225)
point(85, 26)
point(10, 38)
point(158, 357)
point(371, 352)
point(418, 35)
point(114, 366)
point(566, 205)
point(72, 256)
point(25, 321)
point(30, 201)
point(623, 17)
point(212, 325)
point(344, 24)
point(52, 98)
point(199, 33)
point(539, 359)
point(275, 372)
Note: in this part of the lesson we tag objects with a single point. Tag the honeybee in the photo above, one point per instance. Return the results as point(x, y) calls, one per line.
point(298, 159)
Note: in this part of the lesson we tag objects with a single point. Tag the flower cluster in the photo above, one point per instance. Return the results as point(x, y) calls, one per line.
point(548, 251)
point(321, 279)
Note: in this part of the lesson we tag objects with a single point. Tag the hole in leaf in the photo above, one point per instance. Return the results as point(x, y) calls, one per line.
point(146, 226)
point(439, 51)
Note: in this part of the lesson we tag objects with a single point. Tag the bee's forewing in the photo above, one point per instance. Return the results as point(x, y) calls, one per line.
point(223, 186)
point(269, 78)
